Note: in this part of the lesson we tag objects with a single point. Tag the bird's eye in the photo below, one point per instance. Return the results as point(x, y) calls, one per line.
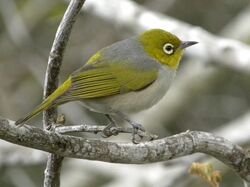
point(168, 48)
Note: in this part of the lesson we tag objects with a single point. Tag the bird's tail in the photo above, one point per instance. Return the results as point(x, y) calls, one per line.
point(49, 102)
point(43, 106)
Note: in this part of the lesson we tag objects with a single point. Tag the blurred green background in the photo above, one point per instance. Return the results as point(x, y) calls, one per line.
point(216, 96)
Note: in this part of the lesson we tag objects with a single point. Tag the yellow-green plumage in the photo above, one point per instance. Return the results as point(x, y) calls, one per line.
point(153, 42)
point(48, 102)
point(109, 80)
point(118, 76)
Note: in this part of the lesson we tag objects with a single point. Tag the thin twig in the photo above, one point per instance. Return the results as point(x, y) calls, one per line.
point(52, 172)
point(100, 129)
point(154, 151)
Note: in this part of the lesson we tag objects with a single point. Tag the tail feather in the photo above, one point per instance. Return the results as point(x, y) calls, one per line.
point(49, 102)
point(34, 113)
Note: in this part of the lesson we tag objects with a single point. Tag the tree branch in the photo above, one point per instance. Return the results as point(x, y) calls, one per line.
point(57, 51)
point(52, 172)
point(155, 151)
point(15, 155)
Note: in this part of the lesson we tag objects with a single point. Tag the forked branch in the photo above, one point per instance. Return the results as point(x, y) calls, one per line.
point(164, 149)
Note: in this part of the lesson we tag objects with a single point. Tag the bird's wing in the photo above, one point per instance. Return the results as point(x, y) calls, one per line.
point(99, 80)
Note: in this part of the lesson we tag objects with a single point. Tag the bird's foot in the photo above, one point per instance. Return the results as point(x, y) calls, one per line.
point(136, 128)
point(110, 130)
point(138, 131)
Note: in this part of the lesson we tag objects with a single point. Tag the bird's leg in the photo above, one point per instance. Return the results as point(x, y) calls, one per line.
point(112, 122)
point(136, 126)
point(110, 129)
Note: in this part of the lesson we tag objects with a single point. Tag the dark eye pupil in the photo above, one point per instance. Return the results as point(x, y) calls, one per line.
point(169, 48)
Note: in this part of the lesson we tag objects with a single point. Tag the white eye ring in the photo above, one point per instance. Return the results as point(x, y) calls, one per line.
point(168, 48)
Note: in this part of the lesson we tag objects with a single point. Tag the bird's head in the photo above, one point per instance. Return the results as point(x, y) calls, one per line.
point(163, 46)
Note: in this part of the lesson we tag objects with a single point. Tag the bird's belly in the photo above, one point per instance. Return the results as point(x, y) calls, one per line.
point(136, 101)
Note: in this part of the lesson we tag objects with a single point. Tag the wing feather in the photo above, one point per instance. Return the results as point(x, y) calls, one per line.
point(100, 81)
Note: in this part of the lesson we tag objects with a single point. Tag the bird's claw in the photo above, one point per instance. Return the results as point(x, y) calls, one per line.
point(136, 127)
point(138, 131)
point(110, 130)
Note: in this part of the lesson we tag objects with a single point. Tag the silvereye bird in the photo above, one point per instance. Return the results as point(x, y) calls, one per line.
point(129, 76)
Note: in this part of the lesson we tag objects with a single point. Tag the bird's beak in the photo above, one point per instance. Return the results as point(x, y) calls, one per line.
point(186, 44)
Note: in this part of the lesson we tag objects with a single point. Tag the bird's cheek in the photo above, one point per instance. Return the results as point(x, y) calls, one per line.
point(174, 61)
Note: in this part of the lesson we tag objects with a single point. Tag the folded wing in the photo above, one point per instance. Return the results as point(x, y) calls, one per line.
point(101, 81)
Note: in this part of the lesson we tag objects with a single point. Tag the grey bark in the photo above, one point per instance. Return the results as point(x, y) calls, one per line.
point(52, 171)
point(164, 149)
